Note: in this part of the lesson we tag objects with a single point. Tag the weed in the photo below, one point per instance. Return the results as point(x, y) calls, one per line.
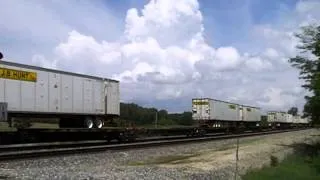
point(274, 161)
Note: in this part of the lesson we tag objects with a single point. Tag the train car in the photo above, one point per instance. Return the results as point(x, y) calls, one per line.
point(277, 118)
point(299, 121)
point(78, 100)
point(250, 115)
point(282, 120)
point(215, 113)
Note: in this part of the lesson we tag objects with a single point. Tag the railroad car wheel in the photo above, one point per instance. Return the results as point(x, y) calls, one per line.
point(88, 122)
point(98, 123)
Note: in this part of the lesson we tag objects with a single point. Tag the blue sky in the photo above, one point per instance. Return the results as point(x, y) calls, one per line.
point(168, 52)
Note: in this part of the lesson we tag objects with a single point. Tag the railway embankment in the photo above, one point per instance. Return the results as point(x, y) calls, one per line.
point(202, 160)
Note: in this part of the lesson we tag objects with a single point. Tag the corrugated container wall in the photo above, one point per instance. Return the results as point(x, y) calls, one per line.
point(289, 118)
point(251, 113)
point(113, 98)
point(51, 91)
point(277, 117)
point(224, 111)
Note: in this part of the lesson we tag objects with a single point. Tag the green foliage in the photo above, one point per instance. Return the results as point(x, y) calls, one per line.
point(303, 164)
point(137, 114)
point(274, 161)
point(166, 122)
point(184, 118)
point(293, 111)
point(264, 121)
point(308, 62)
point(133, 113)
point(22, 123)
point(293, 167)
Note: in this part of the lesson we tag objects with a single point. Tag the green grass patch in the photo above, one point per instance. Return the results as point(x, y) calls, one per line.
point(303, 164)
point(174, 159)
point(44, 125)
point(4, 127)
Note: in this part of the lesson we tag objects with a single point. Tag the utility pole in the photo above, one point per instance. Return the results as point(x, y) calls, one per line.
point(241, 113)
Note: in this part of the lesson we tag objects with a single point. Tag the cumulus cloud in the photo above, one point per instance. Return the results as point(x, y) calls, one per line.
point(162, 54)
point(277, 98)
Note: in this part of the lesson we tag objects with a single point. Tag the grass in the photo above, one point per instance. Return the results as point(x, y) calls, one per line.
point(4, 127)
point(303, 164)
point(292, 168)
point(44, 125)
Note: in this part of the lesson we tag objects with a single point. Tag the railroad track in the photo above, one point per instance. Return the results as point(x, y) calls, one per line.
point(21, 151)
point(70, 144)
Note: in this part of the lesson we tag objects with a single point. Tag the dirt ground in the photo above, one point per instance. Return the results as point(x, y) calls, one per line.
point(252, 153)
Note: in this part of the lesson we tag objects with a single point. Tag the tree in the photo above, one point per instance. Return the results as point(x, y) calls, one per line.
point(163, 114)
point(131, 113)
point(308, 62)
point(293, 111)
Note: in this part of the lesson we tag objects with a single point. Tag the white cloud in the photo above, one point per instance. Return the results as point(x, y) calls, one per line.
point(277, 99)
point(308, 8)
point(35, 26)
point(271, 53)
point(257, 64)
point(162, 54)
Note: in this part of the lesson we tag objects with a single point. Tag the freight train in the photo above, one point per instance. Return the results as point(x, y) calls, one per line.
point(282, 119)
point(83, 103)
point(217, 114)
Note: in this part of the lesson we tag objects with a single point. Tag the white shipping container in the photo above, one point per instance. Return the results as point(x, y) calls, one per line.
point(211, 109)
point(289, 118)
point(299, 120)
point(276, 116)
point(39, 90)
point(250, 113)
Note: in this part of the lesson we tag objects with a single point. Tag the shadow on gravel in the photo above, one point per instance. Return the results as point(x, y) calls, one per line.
point(304, 149)
point(4, 176)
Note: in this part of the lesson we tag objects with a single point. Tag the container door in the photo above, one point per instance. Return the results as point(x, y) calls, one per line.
point(200, 109)
point(12, 95)
point(205, 109)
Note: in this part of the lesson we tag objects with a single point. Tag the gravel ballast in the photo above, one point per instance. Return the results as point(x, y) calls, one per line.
point(204, 160)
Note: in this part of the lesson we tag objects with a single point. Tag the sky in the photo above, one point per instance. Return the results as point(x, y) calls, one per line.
point(165, 52)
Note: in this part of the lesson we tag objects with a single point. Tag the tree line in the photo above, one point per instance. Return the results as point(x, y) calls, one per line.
point(138, 115)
